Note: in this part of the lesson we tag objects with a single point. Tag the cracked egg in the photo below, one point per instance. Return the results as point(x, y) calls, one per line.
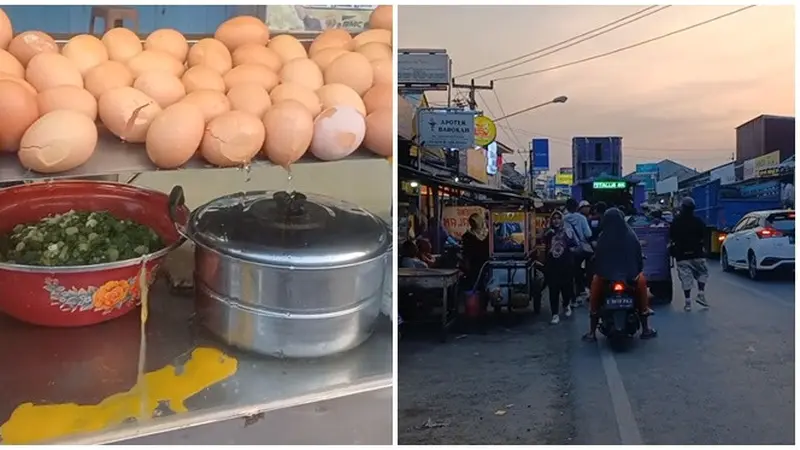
point(127, 112)
point(58, 141)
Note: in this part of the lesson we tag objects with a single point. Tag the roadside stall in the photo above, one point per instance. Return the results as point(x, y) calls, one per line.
point(192, 301)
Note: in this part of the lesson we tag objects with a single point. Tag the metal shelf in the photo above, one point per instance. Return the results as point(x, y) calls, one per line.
point(79, 386)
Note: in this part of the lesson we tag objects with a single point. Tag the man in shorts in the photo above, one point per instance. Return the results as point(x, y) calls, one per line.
point(687, 236)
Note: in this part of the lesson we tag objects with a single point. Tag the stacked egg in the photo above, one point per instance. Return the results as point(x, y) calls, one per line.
point(228, 98)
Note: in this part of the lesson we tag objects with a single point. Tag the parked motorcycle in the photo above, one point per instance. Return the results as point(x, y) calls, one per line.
point(619, 319)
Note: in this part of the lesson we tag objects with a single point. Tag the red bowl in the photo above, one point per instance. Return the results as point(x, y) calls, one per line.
point(81, 295)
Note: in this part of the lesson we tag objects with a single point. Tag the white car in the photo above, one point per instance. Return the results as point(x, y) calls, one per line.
point(762, 241)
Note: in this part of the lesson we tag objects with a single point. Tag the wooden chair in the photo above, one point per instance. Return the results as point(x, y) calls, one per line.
point(114, 17)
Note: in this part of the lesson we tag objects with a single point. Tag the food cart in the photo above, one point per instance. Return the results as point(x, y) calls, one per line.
point(163, 377)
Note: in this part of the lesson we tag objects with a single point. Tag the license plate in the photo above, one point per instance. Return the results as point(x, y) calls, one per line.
point(619, 302)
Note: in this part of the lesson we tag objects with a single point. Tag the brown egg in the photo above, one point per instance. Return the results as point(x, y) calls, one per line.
point(330, 38)
point(352, 69)
point(289, 129)
point(19, 81)
point(325, 57)
point(338, 132)
point(202, 77)
point(382, 72)
point(242, 30)
point(28, 44)
point(212, 54)
point(295, 92)
point(287, 47)
point(162, 87)
point(251, 73)
point(175, 135)
point(127, 112)
point(48, 70)
point(211, 103)
point(379, 96)
point(375, 50)
point(10, 65)
point(377, 35)
point(122, 44)
point(153, 61)
point(257, 54)
point(337, 94)
point(18, 111)
point(381, 18)
point(169, 41)
point(6, 30)
point(85, 51)
point(59, 141)
point(232, 139)
point(106, 76)
point(302, 71)
point(251, 98)
point(72, 98)
point(380, 137)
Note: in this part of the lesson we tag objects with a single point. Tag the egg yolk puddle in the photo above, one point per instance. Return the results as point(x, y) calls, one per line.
point(31, 423)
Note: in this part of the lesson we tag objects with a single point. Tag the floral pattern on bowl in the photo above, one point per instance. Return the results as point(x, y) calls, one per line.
point(110, 296)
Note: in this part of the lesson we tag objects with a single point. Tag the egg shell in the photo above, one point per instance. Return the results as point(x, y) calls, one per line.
point(376, 35)
point(18, 111)
point(242, 30)
point(153, 61)
point(289, 128)
point(257, 54)
point(211, 103)
point(202, 78)
point(324, 58)
point(381, 18)
point(295, 92)
point(382, 72)
point(251, 98)
point(212, 54)
point(338, 132)
point(58, 141)
point(175, 135)
point(85, 51)
point(375, 50)
point(379, 137)
point(330, 38)
point(10, 65)
point(351, 69)
point(232, 139)
point(106, 76)
point(302, 71)
point(378, 97)
point(162, 87)
point(71, 98)
point(122, 44)
point(338, 94)
point(19, 81)
point(48, 70)
point(28, 44)
point(6, 30)
point(127, 112)
point(287, 47)
point(169, 41)
point(251, 73)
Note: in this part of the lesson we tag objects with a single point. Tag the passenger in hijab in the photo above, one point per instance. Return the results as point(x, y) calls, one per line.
point(618, 256)
point(560, 247)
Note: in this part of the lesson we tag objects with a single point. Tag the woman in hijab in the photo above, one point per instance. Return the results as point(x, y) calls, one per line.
point(618, 256)
point(475, 248)
point(560, 246)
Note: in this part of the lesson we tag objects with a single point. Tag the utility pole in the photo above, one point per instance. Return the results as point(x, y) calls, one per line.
point(472, 88)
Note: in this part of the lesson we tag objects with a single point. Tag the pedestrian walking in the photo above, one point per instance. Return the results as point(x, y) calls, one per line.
point(579, 225)
point(560, 242)
point(687, 237)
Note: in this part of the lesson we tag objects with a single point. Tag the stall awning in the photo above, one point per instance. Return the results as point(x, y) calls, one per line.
point(409, 173)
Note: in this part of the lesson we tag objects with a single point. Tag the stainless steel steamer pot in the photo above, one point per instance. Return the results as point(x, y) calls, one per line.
point(287, 274)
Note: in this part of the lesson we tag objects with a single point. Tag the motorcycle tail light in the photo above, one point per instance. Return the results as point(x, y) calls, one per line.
point(618, 287)
point(768, 233)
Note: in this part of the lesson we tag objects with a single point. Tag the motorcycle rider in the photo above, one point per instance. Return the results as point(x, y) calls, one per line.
point(687, 237)
point(618, 256)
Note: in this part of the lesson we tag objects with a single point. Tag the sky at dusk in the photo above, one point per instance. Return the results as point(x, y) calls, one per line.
point(679, 98)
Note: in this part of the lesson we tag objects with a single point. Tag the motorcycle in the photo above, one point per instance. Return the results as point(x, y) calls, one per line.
point(619, 318)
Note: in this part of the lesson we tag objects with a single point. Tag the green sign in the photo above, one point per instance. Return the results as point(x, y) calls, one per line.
point(609, 185)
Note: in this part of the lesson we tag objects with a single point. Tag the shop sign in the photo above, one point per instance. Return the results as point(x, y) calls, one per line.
point(446, 128)
point(752, 167)
point(485, 131)
point(563, 179)
point(476, 165)
point(609, 185)
point(455, 219)
point(423, 69)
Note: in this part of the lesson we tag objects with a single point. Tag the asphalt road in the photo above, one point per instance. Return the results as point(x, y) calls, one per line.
point(718, 376)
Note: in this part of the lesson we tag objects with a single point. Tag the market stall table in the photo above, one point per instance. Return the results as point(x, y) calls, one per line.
point(444, 279)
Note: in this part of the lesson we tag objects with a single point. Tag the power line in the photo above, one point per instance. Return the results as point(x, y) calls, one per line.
point(622, 49)
point(558, 43)
point(588, 38)
point(503, 111)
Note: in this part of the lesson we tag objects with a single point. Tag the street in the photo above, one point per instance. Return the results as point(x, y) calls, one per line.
point(721, 376)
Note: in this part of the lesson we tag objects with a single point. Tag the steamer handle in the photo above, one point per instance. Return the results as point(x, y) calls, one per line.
point(176, 201)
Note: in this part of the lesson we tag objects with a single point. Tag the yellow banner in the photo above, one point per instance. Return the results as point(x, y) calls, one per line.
point(766, 161)
point(485, 131)
point(476, 165)
point(564, 179)
point(508, 217)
